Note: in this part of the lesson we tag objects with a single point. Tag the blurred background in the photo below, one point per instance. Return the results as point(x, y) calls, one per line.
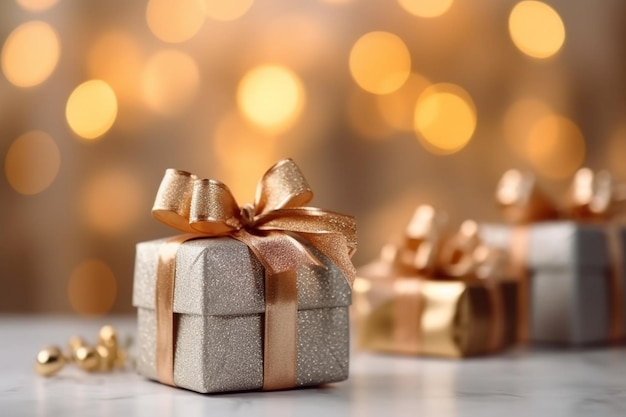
point(383, 104)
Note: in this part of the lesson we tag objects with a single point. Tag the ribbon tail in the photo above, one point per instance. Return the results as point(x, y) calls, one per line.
point(280, 254)
point(335, 248)
point(164, 296)
point(281, 328)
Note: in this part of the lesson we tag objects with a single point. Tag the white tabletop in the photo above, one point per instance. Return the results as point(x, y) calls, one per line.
point(518, 383)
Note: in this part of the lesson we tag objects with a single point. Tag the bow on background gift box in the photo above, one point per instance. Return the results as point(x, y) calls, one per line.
point(252, 297)
point(568, 259)
point(435, 295)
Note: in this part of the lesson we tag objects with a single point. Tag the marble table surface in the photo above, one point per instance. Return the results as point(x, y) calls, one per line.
point(532, 382)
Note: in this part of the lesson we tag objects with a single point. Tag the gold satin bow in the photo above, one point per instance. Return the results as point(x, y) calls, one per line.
point(592, 196)
point(426, 250)
point(274, 228)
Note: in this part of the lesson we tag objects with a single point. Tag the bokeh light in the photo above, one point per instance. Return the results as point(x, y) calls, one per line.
point(36, 5)
point(536, 29)
point(426, 8)
point(170, 81)
point(445, 118)
point(398, 107)
point(519, 119)
point(227, 10)
point(111, 202)
point(380, 62)
point(91, 109)
point(92, 288)
point(32, 162)
point(116, 57)
point(175, 21)
point(30, 54)
point(555, 147)
point(243, 154)
point(271, 96)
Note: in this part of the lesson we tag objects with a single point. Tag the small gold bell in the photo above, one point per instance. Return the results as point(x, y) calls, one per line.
point(107, 347)
point(87, 358)
point(104, 357)
point(50, 360)
point(73, 344)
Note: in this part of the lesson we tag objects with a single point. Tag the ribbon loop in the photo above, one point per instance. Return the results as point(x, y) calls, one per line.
point(172, 204)
point(282, 186)
point(591, 195)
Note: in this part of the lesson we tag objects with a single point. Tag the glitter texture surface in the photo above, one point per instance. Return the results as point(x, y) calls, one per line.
point(219, 298)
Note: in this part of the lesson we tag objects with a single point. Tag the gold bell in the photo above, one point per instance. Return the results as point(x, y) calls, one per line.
point(107, 348)
point(87, 358)
point(104, 357)
point(50, 360)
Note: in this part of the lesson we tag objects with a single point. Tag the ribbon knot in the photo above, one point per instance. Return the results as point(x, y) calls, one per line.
point(277, 228)
point(247, 215)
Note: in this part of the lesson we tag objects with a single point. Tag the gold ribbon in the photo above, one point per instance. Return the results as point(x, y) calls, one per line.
point(275, 228)
point(592, 198)
point(424, 253)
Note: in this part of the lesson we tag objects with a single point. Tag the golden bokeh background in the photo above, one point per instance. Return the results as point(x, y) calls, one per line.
point(383, 104)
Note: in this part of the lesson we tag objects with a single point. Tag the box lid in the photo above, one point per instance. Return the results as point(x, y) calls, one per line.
point(556, 244)
point(221, 276)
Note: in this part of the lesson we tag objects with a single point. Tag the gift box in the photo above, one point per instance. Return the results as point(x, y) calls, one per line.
point(427, 310)
point(254, 298)
point(419, 316)
point(570, 270)
point(219, 303)
point(568, 280)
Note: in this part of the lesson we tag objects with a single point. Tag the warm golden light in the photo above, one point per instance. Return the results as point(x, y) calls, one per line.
point(111, 202)
point(175, 21)
point(519, 119)
point(32, 162)
point(92, 288)
point(91, 109)
point(380, 62)
point(426, 8)
point(116, 57)
point(536, 29)
point(30, 54)
point(616, 153)
point(36, 5)
point(445, 118)
point(243, 153)
point(170, 81)
point(308, 49)
point(365, 118)
point(398, 107)
point(555, 147)
point(227, 9)
point(272, 97)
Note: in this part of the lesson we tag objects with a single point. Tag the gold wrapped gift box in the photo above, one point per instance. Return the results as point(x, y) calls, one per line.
point(434, 298)
point(424, 316)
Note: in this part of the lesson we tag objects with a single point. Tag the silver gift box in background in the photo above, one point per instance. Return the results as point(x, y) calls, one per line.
point(569, 273)
point(219, 301)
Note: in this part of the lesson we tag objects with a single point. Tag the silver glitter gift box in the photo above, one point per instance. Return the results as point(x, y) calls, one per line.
point(569, 269)
point(219, 303)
